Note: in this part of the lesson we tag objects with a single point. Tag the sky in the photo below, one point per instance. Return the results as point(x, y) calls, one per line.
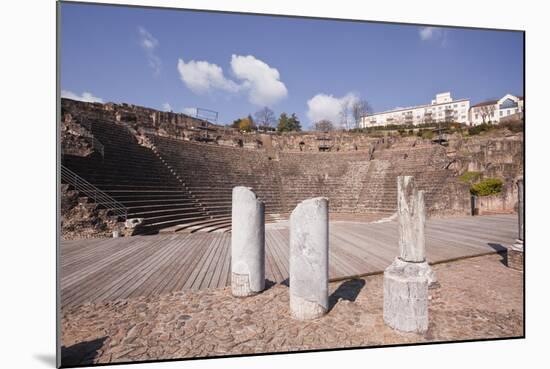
point(235, 64)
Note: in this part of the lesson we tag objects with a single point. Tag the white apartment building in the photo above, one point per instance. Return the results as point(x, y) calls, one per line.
point(508, 107)
point(442, 109)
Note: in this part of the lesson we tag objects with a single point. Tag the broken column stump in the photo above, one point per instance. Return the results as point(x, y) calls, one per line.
point(514, 254)
point(407, 279)
point(308, 264)
point(247, 243)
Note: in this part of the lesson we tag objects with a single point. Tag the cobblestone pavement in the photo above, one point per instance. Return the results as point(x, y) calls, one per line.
point(477, 298)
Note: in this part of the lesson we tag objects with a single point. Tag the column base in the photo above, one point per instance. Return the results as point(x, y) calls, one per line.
point(514, 256)
point(302, 309)
point(240, 285)
point(406, 296)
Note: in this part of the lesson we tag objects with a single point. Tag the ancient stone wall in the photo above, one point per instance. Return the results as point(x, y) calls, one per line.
point(504, 202)
point(493, 156)
point(82, 219)
point(357, 175)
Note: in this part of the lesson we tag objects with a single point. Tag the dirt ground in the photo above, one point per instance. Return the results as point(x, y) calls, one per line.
point(476, 298)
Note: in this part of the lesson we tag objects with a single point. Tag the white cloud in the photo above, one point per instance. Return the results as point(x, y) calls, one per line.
point(427, 33)
point(262, 81)
point(257, 78)
point(149, 44)
point(167, 107)
point(202, 77)
point(433, 34)
point(323, 106)
point(86, 96)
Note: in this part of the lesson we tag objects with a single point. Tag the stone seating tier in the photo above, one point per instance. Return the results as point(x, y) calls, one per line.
point(183, 182)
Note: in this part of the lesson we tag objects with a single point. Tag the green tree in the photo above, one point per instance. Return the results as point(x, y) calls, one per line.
point(294, 123)
point(283, 125)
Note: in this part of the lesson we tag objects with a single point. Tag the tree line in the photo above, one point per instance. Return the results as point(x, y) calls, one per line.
point(350, 116)
point(265, 120)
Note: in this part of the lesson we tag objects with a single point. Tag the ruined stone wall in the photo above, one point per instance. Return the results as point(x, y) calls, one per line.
point(497, 155)
point(504, 202)
point(295, 169)
point(74, 140)
point(181, 126)
point(494, 156)
point(81, 219)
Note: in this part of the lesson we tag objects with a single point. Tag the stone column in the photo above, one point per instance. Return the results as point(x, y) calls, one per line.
point(309, 259)
point(411, 216)
point(407, 279)
point(247, 243)
point(520, 209)
point(514, 255)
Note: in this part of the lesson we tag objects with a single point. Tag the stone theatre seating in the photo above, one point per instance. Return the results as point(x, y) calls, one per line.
point(187, 186)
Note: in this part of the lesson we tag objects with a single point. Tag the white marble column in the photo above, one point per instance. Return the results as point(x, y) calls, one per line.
point(308, 262)
point(247, 243)
point(411, 216)
point(407, 279)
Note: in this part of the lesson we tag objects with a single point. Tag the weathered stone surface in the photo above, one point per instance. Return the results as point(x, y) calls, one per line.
point(514, 254)
point(247, 243)
point(308, 264)
point(514, 258)
point(407, 279)
point(520, 209)
point(406, 296)
point(132, 223)
point(411, 215)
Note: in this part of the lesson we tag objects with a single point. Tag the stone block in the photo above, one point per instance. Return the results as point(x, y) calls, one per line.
point(514, 256)
point(406, 296)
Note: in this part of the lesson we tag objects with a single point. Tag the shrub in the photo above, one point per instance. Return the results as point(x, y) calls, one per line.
point(470, 177)
point(428, 135)
point(479, 128)
point(514, 126)
point(487, 187)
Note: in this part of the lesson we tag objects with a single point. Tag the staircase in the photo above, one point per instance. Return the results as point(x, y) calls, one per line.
point(135, 177)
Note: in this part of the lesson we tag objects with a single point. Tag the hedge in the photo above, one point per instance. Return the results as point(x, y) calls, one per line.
point(487, 187)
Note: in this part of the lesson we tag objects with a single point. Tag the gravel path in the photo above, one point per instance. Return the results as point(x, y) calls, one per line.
point(477, 298)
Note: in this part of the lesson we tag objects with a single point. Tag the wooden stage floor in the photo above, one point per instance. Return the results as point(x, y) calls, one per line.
point(97, 270)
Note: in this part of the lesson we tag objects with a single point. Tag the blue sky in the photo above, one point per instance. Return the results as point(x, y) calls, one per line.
point(236, 64)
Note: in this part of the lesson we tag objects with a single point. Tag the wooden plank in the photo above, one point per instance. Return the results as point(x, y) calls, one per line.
point(202, 241)
point(101, 277)
point(108, 269)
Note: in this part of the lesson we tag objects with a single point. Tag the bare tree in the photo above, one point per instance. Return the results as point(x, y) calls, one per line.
point(324, 125)
point(265, 118)
point(486, 111)
point(345, 111)
point(360, 109)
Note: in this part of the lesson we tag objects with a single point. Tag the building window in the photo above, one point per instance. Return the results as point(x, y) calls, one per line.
point(492, 114)
point(508, 103)
point(477, 116)
point(501, 113)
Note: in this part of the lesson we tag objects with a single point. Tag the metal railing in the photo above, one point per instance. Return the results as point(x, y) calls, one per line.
point(101, 198)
